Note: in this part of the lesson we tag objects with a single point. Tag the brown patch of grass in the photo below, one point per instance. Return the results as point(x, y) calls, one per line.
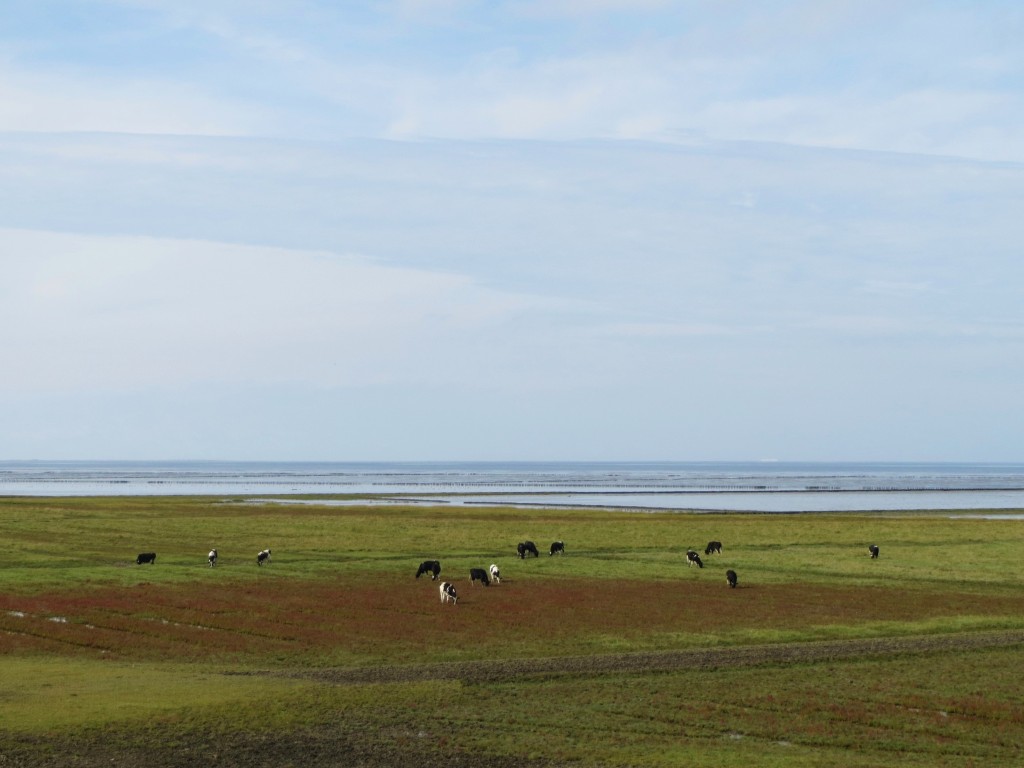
point(373, 620)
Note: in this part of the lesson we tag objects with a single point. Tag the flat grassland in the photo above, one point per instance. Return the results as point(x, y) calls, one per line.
point(616, 653)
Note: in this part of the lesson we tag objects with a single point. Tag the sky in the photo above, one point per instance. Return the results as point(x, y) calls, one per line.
point(435, 230)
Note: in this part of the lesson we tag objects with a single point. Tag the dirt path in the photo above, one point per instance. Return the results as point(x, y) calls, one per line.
point(667, 661)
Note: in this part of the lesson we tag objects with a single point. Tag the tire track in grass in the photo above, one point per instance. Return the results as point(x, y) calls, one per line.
point(508, 670)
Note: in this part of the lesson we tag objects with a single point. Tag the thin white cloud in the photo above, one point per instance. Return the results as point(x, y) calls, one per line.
point(917, 79)
point(898, 289)
point(652, 330)
point(584, 8)
point(65, 102)
point(430, 11)
point(932, 121)
point(121, 313)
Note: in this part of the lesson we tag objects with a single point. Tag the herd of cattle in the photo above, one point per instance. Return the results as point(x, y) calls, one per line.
point(493, 574)
point(524, 548)
point(450, 595)
point(263, 556)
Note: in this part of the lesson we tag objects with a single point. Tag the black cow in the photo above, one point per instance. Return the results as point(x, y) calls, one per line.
point(730, 576)
point(212, 557)
point(479, 574)
point(448, 593)
point(263, 557)
point(557, 547)
point(692, 558)
point(525, 547)
point(433, 567)
point(873, 549)
point(713, 547)
point(146, 557)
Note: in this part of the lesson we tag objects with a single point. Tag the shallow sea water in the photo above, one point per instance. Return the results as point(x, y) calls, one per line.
point(713, 486)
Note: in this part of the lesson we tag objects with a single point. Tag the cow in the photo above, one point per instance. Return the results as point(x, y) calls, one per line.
point(212, 557)
point(495, 574)
point(692, 558)
point(433, 567)
point(448, 593)
point(263, 557)
point(557, 547)
point(527, 547)
point(873, 549)
point(479, 574)
point(730, 577)
point(713, 547)
point(146, 557)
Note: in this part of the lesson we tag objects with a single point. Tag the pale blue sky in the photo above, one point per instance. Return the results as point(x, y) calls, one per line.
point(569, 229)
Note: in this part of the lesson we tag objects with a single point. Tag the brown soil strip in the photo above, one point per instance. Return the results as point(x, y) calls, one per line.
point(668, 661)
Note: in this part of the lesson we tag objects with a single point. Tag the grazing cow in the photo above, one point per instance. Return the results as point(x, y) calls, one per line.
point(479, 574)
point(263, 557)
point(557, 547)
point(527, 547)
point(495, 574)
point(146, 557)
point(212, 557)
point(433, 567)
point(448, 593)
point(713, 547)
point(692, 558)
point(730, 577)
point(873, 549)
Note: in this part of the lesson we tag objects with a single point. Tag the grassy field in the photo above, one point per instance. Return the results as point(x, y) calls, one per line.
point(616, 653)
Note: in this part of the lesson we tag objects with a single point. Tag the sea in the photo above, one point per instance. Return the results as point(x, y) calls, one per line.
point(764, 486)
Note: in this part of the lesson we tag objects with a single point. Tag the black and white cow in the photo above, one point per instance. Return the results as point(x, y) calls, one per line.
point(557, 548)
point(527, 547)
point(263, 557)
point(146, 557)
point(873, 549)
point(448, 593)
point(479, 574)
point(692, 558)
point(495, 574)
point(713, 547)
point(433, 567)
point(730, 577)
point(212, 557)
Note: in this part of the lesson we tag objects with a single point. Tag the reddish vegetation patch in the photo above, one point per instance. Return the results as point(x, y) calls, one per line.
point(376, 620)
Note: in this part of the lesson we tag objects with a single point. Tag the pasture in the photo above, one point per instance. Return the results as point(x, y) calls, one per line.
point(615, 653)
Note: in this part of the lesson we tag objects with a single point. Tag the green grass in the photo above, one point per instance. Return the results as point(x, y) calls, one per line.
point(41, 694)
point(892, 712)
point(76, 541)
point(114, 657)
point(935, 710)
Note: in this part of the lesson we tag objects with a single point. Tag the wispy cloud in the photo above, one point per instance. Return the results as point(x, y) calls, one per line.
point(673, 330)
point(56, 102)
point(128, 312)
point(919, 78)
point(585, 8)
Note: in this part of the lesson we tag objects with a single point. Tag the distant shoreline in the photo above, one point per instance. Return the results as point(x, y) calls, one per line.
point(756, 487)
